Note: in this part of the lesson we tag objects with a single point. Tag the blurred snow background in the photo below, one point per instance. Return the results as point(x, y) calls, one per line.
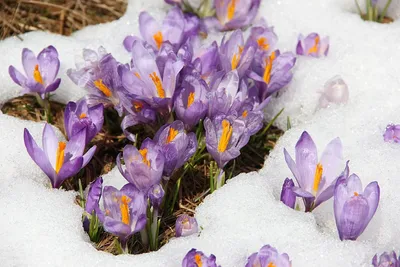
point(42, 227)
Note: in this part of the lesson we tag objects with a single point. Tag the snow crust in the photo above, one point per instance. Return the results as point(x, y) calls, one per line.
point(42, 227)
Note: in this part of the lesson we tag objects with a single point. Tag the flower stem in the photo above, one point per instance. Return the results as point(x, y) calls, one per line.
point(385, 9)
point(220, 179)
point(358, 8)
point(271, 122)
point(144, 236)
point(154, 231)
point(124, 246)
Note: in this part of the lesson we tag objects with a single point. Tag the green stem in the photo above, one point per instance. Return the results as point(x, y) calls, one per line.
point(358, 8)
point(385, 9)
point(82, 201)
point(154, 231)
point(176, 191)
point(145, 237)
point(220, 178)
point(271, 122)
point(369, 10)
point(212, 177)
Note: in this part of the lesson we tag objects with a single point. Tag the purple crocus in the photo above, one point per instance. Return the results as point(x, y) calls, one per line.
point(176, 145)
point(316, 179)
point(392, 133)
point(143, 167)
point(124, 212)
point(185, 225)
point(195, 258)
point(58, 160)
point(354, 208)
point(225, 136)
point(156, 195)
point(386, 260)
point(191, 104)
point(92, 200)
point(233, 14)
point(78, 116)
point(207, 61)
point(288, 197)
point(264, 37)
point(268, 257)
point(40, 72)
point(312, 45)
point(335, 91)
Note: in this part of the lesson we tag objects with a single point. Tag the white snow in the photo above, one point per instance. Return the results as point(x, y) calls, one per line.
point(42, 227)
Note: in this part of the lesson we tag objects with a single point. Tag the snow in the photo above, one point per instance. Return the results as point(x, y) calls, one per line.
point(42, 227)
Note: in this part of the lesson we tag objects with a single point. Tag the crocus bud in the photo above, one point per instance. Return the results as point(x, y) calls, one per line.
point(268, 256)
point(386, 260)
point(288, 197)
point(392, 133)
point(92, 200)
point(185, 225)
point(197, 258)
point(353, 207)
point(335, 91)
point(156, 195)
point(312, 45)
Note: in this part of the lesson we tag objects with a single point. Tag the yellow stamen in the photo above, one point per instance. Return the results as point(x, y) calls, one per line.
point(124, 208)
point(157, 82)
point(197, 259)
point(37, 75)
point(60, 156)
point(143, 152)
point(138, 105)
point(317, 177)
point(225, 136)
point(244, 114)
point(190, 99)
point(314, 49)
point(236, 58)
point(231, 10)
point(158, 38)
point(355, 194)
point(171, 135)
point(83, 115)
point(263, 43)
point(102, 87)
point(271, 264)
point(268, 68)
point(137, 75)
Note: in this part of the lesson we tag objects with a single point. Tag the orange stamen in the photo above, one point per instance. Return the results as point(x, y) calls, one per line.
point(236, 58)
point(190, 99)
point(83, 115)
point(137, 75)
point(37, 75)
point(197, 259)
point(317, 177)
point(158, 38)
point(314, 49)
point(268, 68)
point(143, 152)
point(102, 87)
point(138, 105)
point(60, 156)
point(271, 264)
point(124, 208)
point(157, 83)
point(171, 135)
point(225, 136)
point(244, 114)
point(355, 194)
point(263, 43)
point(231, 9)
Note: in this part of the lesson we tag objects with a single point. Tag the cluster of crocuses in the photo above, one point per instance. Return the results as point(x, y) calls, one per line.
point(319, 180)
point(372, 12)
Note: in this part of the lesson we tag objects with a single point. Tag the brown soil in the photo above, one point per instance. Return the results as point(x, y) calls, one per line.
point(386, 20)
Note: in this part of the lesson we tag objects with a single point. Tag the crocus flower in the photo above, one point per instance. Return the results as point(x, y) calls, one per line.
point(386, 260)
point(354, 208)
point(312, 45)
point(92, 199)
point(335, 91)
point(316, 179)
point(207, 61)
point(145, 81)
point(124, 211)
point(249, 112)
point(268, 257)
point(78, 116)
point(176, 145)
point(185, 225)
point(225, 136)
point(264, 37)
point(288, 197)
point(143, 168)
point(392, 133)
point(233, 14)
point(191, 104)
point(195, 258)
point(156, 195)
point(40, 72)
point(58, 160)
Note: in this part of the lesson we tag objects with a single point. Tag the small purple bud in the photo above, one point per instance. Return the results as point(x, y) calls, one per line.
point(335, 91)
point(197, 258)
point(392, 133)
point(288, 197)
point(185, 225)
point(156, 195)
point(268, 256)
point(386, 260)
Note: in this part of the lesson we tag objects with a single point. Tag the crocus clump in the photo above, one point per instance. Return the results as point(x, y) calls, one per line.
point(185, 225)
point(386, 260)
point(316, 179)
point(59, 160)
point(197, 258)
point(312, 45)
point(392, 133)
point(372, 11)
point(79, 116)
point(268, 257)
point(353, 206)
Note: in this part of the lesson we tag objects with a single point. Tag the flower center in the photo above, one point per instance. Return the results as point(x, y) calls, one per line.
point(231, 9)
point(314, 48)
point(263, 43)
point(236, 58)
point(244, 114)
point(37, 76)
point(143, 152)
point(268, 68)
point(138, 105)
point(60, 156)
point(271, 264)
point(102, 87)
point(83, 115)
point(171, 135)
point(225, 136)
point(197, 259)
point(317, 177)
point(190, 99)
point(158, 38)
point(157, 83)
point(124, 208)
point(356, 194)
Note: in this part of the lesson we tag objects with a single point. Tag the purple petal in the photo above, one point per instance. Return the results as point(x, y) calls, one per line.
point(68, 169)
point(17, 76)
point(29, 61)
point(49, 64)
point(306, 160)
point(50, 144)
point(88, 156)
